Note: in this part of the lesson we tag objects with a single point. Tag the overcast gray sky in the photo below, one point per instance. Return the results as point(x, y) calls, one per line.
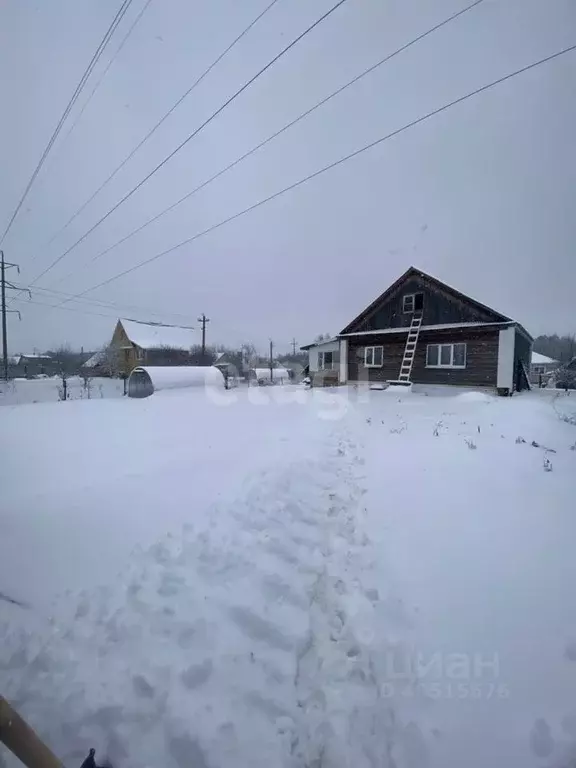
point(481, 196)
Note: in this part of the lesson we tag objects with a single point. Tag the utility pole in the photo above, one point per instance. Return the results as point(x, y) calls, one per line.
point(294, 343)
point(4, 265)
point(271, 360)
point(203, 319)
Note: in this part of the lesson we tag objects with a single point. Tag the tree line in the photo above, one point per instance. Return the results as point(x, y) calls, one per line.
point(561, 348)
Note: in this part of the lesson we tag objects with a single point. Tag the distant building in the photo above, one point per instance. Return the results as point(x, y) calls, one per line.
point(541, 367)
point(98, 364)
point(135, 343)
point(323, 361)
point(28, 366)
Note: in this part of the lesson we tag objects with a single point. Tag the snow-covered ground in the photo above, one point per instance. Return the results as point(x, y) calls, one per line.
point(20, 391)
point(279, 577)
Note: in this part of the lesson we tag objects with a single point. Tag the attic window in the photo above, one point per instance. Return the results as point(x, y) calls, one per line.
point(412, 302)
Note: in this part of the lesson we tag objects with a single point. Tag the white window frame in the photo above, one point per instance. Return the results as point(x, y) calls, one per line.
point(140, 353)
point(439, 355)
point(321, 364)
point(412, 297)
point(372, 351)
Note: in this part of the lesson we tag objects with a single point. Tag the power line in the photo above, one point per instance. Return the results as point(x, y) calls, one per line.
point(58, 295)
point(101, 78)
point(153, 130)
point(103, 43)
point(190, 137)
point(329, 167)
point(72, 309)
point(277, 133)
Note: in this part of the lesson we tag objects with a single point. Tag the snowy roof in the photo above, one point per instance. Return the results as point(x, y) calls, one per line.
point(156, 335)
point(539, 359)
point(95, 359)
point(319, 343)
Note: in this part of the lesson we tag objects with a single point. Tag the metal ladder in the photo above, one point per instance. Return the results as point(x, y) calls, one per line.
point(410, 349)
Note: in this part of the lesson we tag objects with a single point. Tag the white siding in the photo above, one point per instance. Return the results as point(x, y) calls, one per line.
point(343, 378)
point(326, 346)
point(505, 375)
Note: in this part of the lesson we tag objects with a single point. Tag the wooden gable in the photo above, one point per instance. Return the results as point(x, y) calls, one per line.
point(440, 303)
point(120, 338)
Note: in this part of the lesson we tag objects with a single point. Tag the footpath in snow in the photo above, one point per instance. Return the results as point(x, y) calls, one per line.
point(244, 637)
point(310, 580)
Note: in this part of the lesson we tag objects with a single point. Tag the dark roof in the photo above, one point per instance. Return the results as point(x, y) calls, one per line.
point(413, 272)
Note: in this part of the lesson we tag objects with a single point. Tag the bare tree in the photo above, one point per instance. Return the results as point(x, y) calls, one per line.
point(63, 388)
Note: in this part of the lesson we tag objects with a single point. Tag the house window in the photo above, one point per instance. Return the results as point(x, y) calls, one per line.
point(373, 357)
point(325, 361)
point(446, 356)
point(538, 369)
point(139, 354)
point(412, 302)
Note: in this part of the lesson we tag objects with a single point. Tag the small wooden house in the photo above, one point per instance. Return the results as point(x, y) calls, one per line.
point(135, 343)
point(423, 331)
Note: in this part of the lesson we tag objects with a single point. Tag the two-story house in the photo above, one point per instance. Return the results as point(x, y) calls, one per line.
point(422, 331)
point(135, 343)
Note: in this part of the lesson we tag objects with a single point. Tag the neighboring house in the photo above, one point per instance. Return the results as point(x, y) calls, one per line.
point(98, 364)
point(28, 366)
point(323, 361)
point(136, 343)
point(541, 367)
point(422, 331)
point(230, 364)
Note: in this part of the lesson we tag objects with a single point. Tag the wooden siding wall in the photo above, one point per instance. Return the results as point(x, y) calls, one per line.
point(439, 307)
point(481, 358)
point(126, 357)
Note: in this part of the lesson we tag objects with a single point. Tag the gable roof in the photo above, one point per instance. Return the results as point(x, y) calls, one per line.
point(539, 359)
point(156, 335)
point(96, 359)
point(413, 272)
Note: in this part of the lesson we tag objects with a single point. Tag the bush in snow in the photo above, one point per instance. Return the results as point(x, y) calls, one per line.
point(471, 444)
point(547, 465)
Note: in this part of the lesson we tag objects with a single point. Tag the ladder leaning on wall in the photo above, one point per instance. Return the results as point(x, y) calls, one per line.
point(409, 351)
